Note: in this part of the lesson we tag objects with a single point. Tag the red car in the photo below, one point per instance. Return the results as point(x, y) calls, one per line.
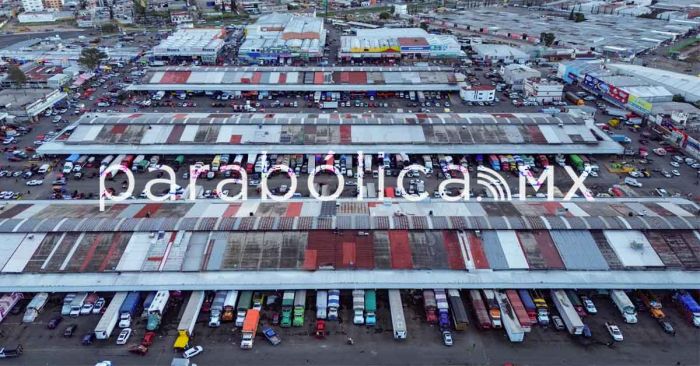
point(148, 339)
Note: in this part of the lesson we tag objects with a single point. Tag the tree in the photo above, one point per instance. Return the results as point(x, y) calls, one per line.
point(91, 58)
point(384, 15)
point(424, 25)
point(16, 74)
point(579, 17)
point(547, 38)
point(109, 28)
point(679, 98)
point(571, 15)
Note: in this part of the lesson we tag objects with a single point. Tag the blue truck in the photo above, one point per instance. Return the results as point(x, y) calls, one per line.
point(128, 309)
point(620, 138)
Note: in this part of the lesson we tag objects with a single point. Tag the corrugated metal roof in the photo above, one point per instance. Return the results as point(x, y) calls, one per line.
point(493, 250)
point(578, 250)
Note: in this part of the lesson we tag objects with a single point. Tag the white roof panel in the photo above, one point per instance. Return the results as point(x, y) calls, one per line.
point(633, 248)
point(512, 250)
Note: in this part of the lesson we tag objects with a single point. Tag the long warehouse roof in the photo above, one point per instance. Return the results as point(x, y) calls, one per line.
point(299, 133)
point(299, 79)
point(313, 244)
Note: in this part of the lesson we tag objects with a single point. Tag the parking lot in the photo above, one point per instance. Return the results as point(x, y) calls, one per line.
point(644, 343)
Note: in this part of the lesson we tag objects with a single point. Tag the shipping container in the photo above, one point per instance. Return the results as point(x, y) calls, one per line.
point(459, 313)
point(480, 312)
point(520, 312)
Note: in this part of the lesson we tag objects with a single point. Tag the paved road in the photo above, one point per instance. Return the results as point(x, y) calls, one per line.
point(644, 344)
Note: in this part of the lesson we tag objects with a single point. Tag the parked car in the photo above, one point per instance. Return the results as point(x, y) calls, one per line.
point(54, 322)
point(447, 338)
point(558, 323)
point(70, 330)
point(614, 331)
point(588, 304)
point(99, 305)
point(124, 336)
point(666, 326)
point(88, 338)
point(191, 352)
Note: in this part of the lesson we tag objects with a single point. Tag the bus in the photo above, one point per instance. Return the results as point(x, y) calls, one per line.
point(216, 163)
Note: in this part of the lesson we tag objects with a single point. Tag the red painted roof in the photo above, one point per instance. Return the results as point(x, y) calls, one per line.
point(412, 42)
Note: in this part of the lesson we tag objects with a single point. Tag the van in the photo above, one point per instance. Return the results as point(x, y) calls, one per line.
point(44, 169)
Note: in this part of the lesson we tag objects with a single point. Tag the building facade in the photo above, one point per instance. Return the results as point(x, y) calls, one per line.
point(478, 93)
point(542, 90)
point(200, 44)
point(394, 43)
point(283, 38)
point(33, 5)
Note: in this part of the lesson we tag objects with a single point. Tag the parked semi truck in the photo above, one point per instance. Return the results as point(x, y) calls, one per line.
point(111, 316)
point(243, 305)
point(217, 306)
point(358, 306)
point(250, 328)
point(398, 322)
point(542, 307)
point(519, 309)
point(287, 306)
point(493, 308)
point(688, 307)
point(529, 305)
point(430, 306)
point(442, 309)
point(35, 306)
point(185, 328)
point(576, 302)
point(482, 315)
point(321, 304)
point(511, 324)
point(333, 304)
point(128, 308)
point(157, 309)
point(459, 313)
point(229, 312)
point(299, 307)
point(567, 311)
point(574, 99)
point(147, 304)
point(370, 307)
point(624, 305)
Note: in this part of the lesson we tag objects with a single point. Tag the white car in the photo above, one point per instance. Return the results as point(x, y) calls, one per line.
point(56, 119)
point(86, 309)
point(614, 332)
point(124, 336)
point(99, 304)
point(447, 338)
point(632, 182)
point(35, 182)
point(588, 304)
point(675, 172)
point(192, 352)
point(6, 195)
point(674, 164)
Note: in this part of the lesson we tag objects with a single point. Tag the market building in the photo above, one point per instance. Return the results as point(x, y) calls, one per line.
point(280, 38)
point(192, 44)
point(397, 43)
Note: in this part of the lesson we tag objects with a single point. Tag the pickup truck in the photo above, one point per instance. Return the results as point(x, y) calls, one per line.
point(271, 336)
point(11, 353)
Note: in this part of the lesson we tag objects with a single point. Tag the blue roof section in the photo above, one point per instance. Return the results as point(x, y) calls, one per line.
point(578, 250)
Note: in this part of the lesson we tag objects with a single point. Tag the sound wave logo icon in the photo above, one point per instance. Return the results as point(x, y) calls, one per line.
point(494, 183)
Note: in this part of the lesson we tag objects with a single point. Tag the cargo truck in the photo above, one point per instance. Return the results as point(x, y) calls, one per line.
point(370, 307)
point(482, 315)
point(620, 138)
point(229, 312)
point(529, 305)
point(243, 306)
point(398, 322)
point(624, 305)
point(652, 303)
point(299, 307)
point(688, 307)
point(217, 306)
point(567, 311)
point(574, 99)
point(287, 305)
point(493, 308)
point(77, 304)
point(442, 309)
point(518, 309)
point(250, 328)
point(358, 306)
point(35, 306)
point(542, 308)
point(430, 306)
point(510, 320)
point(157, 309)
point(147, 304)
point(321, 304)
point(576, 302)
point(127, 310)
point(459, 313)
point(185, 329)
point(333, 304)
point(110, 318)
